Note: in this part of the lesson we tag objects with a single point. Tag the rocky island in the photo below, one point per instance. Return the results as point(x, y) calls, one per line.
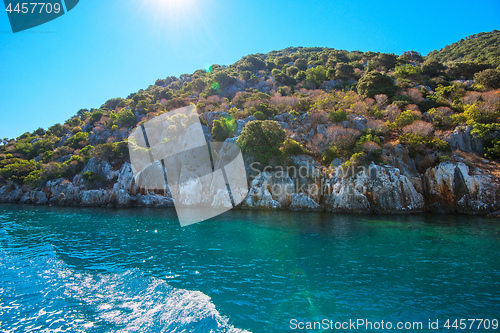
point(368, 132)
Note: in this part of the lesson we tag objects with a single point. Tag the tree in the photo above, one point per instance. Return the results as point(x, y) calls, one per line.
point(301, 64)
point(56, 129)
point(95, 117)
point(432, 67)
point(262, 139)
point(375, 83)
point(407, 71)
point(337, 116)
point(292, 71)
point(79, 140)
point(343, 71)
point(387, 60)
point(316, 75)
point(223, 128)
point(409, 56)
point(490, 78)
point(126, 117)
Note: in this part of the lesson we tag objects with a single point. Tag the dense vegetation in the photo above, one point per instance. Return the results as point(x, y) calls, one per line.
point(479, 48)
point(407, 99)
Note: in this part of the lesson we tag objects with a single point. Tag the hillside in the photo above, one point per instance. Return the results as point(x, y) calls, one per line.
point(482, 48)
point(430, 130)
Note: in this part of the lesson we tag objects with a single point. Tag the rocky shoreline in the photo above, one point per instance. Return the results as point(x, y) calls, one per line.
point(395, 187)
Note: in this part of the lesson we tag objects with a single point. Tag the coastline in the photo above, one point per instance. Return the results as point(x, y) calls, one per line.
point(448, 188)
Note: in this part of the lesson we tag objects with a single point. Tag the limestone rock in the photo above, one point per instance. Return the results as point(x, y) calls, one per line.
point(461, 138)
point(95, 198)
point(63, 192)
point(10, 194)
point(259, 195)
point(34, 197)
point(303, 202)
point(454, 187)
point(154, 200)
point(376, 188)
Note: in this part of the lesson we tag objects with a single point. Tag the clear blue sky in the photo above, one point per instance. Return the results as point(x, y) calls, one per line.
point(106, 49)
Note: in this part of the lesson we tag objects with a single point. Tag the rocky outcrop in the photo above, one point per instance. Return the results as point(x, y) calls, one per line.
point(453, 187)
point(259, 195)
point(302, 202)
point(461, 138)
point(395, 187)
point(63, 192)
point(381, 189)
point(10, 194)
point(154, 200)
point(35, 198)
point(95, 198)
point(121, 193)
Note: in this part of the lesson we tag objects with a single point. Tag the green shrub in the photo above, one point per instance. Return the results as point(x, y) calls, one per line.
point(489, 78)
point(91, 177)
point(126, 118)
point(223, 128)
point(292, 147)
point(262, 139)
point(493, 152)
point(95, 117)
point(34, 178)
point(355, 160)
point(78, 140)
point(337, 116)
point(18, 170)
point(114, 153)
point(259, 115)
point(417, 143)
point(316, 75)
point(407, 71)
point(375, 83)
point(440, 118)
point(405, 118)
point(329, 154)
point(56, 130)
point(475, 115)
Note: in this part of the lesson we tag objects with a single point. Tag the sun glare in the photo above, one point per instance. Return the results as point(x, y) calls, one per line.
point(173, 10)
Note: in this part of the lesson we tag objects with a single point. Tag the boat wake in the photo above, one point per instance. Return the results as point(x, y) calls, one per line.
point(42, 293)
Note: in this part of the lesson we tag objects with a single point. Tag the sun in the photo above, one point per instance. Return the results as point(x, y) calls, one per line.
point(173, 10)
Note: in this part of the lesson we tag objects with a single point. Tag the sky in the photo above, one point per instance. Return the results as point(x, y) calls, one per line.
point(108, 49)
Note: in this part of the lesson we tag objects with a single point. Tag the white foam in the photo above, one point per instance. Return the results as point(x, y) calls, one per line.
point(45, 294)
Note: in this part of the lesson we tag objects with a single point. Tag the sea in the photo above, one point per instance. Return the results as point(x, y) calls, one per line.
point(136, 270)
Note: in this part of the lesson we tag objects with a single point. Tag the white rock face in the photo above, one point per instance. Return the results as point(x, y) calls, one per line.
point(95, 198)
point(63, 192)
point(154, 200)
point(35, 197)
point(259, 195)
point(124, 186)
point(378, 188)
point(303, 202)
point(455, 187)
point(101, 168)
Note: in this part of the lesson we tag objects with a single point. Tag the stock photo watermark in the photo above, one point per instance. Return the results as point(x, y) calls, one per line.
point(24, 15)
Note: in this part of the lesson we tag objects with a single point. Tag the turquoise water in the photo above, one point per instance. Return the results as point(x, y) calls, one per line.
point(100, 270)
